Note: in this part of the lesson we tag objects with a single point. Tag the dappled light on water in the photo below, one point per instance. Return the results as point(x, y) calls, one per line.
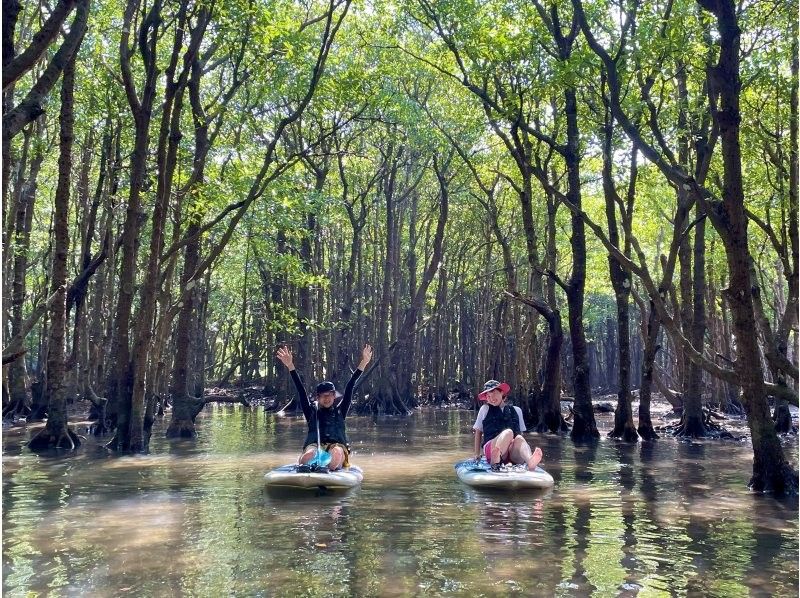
point(194, 518)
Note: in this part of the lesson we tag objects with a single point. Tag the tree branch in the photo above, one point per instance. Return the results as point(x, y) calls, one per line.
point(30, 108)
point(41, 41)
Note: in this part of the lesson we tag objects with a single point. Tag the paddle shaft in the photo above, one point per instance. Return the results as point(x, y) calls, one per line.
point(319, 444)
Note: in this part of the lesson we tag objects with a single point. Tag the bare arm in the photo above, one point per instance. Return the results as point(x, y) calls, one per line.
point(478, 444)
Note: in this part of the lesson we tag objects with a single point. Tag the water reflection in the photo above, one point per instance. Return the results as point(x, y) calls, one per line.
point(194, 518)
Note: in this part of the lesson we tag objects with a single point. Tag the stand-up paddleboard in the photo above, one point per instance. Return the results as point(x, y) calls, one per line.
point(288, 477)
point(479, 474)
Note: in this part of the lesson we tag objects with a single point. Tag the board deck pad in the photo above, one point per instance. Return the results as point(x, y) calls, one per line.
point(479, 474)
point(287, 476)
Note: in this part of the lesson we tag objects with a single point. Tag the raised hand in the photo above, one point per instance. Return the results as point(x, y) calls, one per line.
point(285, 356)
point(366, 357)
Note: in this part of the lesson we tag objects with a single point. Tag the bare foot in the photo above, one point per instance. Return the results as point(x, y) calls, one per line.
point(535, 459)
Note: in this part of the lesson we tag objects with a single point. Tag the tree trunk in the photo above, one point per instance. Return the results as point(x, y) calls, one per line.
point(120, 381)
point(692, 421)
point(683, 309)
point(11, 10)
point(584, 425)
point(19, 403)
point(782, 415)
point(645, 427)
point(386, 397)
point(181, 423)
point(771, 471)
point(407, 333)
point(305, 315)
point(166, 156)
point(56, 433)
point(547, 404)
point(620, 281)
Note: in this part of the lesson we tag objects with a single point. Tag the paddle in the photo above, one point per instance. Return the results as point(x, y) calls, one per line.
point(321, 458)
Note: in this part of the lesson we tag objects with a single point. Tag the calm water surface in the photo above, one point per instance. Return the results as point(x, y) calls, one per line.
point(194, 519)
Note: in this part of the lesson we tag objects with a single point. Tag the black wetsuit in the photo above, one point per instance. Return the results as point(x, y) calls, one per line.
point(331, 420)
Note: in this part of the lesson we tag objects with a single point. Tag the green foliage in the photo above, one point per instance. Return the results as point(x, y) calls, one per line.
point(394, 88)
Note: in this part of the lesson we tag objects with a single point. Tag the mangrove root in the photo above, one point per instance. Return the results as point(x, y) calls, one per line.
point(45, 439)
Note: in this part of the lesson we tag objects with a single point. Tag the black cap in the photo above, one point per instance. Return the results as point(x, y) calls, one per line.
point(326, 387)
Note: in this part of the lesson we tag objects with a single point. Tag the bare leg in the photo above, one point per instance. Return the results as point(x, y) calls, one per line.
point(500, 445)
point(520, 450)
point(337, 458)
point(521, 453)
point(308, 454)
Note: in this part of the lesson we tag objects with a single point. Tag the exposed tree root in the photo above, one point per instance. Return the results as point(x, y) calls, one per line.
point(544, 418)
point(378, 404)
point(45, 440)
point(98, 408)
point(672, 396)
point(582, 431)
point(186, 408)
point(647, 432)
point(19, 408)
point(626, 433)
point(115, 444)
point(733, 407)
point(551, 425)
point(97, 413)
point(690, 428)
point(699, 428)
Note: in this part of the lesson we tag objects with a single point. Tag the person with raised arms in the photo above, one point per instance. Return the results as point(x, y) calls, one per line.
point(326, 421)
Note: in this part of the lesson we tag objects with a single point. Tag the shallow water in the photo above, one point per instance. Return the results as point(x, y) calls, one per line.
point(194, 518)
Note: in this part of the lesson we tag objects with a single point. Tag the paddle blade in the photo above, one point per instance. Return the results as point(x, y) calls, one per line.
point(321, 459)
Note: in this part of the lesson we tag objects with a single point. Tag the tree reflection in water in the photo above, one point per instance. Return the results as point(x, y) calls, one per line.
point(194, 518)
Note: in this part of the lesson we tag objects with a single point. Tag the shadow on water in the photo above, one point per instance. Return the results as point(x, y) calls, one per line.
point(194, 518)
point(321, 495)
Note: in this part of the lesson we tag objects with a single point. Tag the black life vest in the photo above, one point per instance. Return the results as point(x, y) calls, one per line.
point(498, 419)
point(331, 427)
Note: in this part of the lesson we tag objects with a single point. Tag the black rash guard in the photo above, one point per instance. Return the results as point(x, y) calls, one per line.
point(331, 420)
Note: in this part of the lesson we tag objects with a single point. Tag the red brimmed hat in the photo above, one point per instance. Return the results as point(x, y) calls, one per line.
point(492, 385)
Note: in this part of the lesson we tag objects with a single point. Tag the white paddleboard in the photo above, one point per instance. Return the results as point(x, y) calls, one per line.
point(288, 477)
point(480, 475)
